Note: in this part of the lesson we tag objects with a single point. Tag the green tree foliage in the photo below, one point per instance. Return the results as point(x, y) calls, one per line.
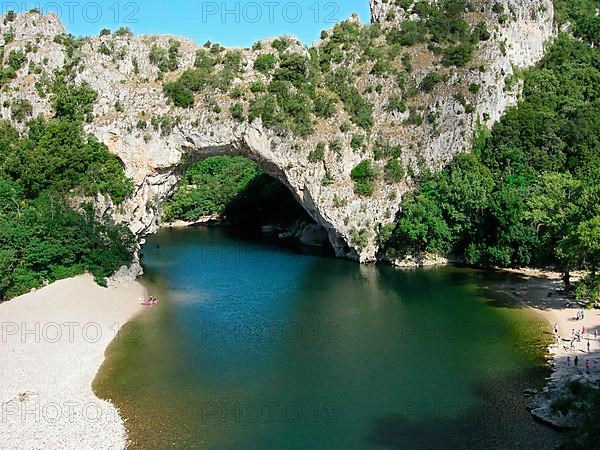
point(325, 106)
point(123, 32)
point(396, 104)
point(582, 16)
point(209, 186)
point(16, 59)
point(357, 141)
point(173, 54)
point(430, 80)
point(179, 93)
point(439, 23)
point(15, 62)
point(237, 112)
point(394, 171)
point(265, 107)
point(265, 63)
point(364, 176)
point(215, 72)
point(421, 228)
point(21, 109)
point(57, 156)
point(457, 55)
point(530, 194)
point(587, 435)
point(72, 103)
point(318, 154)
point(42, 172)
point(159, 57)
point(409, 33)
point(43, 240)
point(359, 109)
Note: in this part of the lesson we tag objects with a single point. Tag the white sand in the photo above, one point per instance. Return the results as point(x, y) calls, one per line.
point(554, 309)
point(562, 354)
point(52, 343)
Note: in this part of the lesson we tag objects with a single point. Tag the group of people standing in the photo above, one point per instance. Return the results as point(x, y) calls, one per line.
point(577, 336)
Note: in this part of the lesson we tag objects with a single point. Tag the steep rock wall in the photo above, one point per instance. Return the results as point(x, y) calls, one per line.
point(129, 93)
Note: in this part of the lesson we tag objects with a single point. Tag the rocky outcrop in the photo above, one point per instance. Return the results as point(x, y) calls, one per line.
point(130, 98)
point(307, 234)
point(411, 262)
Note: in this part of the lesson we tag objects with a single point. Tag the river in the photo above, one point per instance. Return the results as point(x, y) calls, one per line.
point(259, 346)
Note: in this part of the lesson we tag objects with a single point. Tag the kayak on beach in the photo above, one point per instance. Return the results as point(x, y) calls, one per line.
point(150, 302)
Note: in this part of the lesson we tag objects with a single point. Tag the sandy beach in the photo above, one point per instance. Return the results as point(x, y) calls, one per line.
point(53, 341)
point(543, 292)
point(52, 344)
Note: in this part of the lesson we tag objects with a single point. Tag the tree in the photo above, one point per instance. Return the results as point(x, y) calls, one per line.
point(421, 228)
point(457, 55)
point(364, 175)
point(179, 94)
point(265, 63)
point(582, 245)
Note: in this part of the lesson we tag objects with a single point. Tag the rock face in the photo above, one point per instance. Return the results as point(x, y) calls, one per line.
point(130, 98)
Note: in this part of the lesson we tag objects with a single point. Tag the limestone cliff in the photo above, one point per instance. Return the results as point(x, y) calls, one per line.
point(155, 139)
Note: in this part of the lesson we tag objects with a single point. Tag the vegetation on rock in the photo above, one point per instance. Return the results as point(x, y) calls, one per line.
point(529, 195)
point(209, 186)
point(236, 189)
point(44, 172)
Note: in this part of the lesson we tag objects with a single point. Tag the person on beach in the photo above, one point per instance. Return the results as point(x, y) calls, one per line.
point(587, 365)
point(588, 345)
point(568, 360)
point(576, 360)
point(582, 313)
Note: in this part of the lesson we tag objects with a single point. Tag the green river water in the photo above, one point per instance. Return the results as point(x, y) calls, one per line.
point(255, 346)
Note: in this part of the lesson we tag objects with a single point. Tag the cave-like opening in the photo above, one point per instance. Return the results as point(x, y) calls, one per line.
point(236, 192)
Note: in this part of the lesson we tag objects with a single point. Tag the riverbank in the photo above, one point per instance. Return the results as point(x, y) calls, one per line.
point(215, 219)
point(544, 292)
point(52, 344)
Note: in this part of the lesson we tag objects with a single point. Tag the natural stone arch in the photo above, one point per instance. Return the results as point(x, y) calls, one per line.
point(129, 92)
point(154, 188)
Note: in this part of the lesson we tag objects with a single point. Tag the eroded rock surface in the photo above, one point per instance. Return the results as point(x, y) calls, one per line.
point(130, 94)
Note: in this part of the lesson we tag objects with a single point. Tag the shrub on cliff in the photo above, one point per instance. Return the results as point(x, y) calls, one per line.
point(364, 175)
point(457, 55)
point(265, 63)
point(394, 171)
point(325, 106)
point(179, 94)
point(73, 103)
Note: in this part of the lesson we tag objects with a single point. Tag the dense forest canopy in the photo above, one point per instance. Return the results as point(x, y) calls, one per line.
point(45, 173)
point(529, 194)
